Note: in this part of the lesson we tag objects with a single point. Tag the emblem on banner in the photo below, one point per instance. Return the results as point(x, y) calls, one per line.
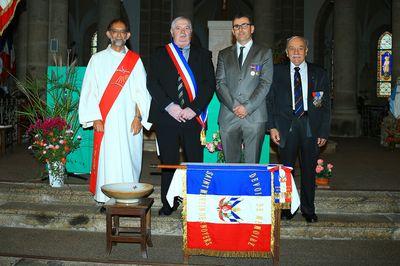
point(227, 210)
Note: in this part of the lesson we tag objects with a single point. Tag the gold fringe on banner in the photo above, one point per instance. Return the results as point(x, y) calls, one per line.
point(184, 213)
point(273, 205)
point(229, 254)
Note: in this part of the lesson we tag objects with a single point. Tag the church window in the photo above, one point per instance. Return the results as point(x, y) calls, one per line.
point(93, 44)
point(385, 64)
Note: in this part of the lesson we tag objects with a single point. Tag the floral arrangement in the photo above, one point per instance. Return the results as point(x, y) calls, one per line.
point(323, 170)
point(52, 139)
point(216, 146)
point(51, 106)
point(391, 127)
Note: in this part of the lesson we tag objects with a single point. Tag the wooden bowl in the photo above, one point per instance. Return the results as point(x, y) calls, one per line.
point(127, 192)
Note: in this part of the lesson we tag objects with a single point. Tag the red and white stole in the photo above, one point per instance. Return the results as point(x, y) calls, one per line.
point(110, 94)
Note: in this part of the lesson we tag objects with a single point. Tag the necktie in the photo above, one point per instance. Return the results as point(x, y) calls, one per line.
point(298, 94)
point(181, 87)
point(240, 59)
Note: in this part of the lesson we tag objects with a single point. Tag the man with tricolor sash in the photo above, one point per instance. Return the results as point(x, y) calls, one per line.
point(115, 101)
point(181, 82)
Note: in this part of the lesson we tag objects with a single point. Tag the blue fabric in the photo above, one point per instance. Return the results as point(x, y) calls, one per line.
point(298, 93)
point(228, 179)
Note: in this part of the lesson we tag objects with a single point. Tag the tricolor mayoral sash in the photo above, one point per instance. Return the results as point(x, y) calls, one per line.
point(228, 210)
point(187, 77)
point(110, 94)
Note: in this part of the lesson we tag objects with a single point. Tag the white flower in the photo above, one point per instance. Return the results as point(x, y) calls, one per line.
point(30, 147)
point(44, 152)
point(69, 131)
point(57, 147)
point(61, 141)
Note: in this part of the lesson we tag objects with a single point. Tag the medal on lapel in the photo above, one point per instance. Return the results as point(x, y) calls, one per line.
point(255, 70)
point(317, 98)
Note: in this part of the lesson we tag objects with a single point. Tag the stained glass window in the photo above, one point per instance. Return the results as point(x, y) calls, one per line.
point(93, 44)
point(385, 64)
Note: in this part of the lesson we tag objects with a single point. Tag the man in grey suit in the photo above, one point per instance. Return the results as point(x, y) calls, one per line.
point(244, 76)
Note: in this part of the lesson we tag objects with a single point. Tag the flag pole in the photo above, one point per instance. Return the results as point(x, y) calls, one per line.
point(168, 166)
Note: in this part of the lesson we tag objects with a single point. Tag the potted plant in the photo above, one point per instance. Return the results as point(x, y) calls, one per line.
point(51, 108)
point(323, 172)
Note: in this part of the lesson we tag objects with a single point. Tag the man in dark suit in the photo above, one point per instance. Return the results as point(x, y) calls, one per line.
point(181, 82)
point(299, 119)
point(244, 77)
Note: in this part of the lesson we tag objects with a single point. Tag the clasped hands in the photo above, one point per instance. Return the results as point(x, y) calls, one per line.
point(240, 111)
point(179, 114)
point(136, 125)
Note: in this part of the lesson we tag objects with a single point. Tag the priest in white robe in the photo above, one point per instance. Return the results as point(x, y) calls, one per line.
point(120, 153)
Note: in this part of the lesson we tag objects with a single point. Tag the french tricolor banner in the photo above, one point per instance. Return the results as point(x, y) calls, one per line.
point(7, 11)
point(228, 210)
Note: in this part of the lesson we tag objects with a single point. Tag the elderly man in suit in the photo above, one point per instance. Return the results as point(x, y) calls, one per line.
point(244, 76)
point(181, 82)
point(299, 119)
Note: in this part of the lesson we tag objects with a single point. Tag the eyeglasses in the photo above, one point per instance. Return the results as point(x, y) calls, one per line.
point(241, 26)
point(115, 32)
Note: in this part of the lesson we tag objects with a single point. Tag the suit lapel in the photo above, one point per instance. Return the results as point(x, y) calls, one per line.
point(250, 55)
point(311, 82)
point(193, 56)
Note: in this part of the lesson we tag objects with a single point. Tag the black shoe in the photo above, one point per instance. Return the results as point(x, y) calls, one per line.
point(286, 215)
point(310, 218)
point(165, 211)
point(177, 201)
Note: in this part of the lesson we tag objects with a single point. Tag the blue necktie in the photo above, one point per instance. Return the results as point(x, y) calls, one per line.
point(298, 94)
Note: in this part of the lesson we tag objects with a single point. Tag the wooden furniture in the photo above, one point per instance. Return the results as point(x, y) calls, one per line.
point(116, 233)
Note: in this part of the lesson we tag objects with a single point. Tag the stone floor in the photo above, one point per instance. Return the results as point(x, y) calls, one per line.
point(359, 164)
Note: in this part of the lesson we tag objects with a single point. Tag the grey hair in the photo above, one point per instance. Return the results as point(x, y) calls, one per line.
point(173, 23)
point(294, 37)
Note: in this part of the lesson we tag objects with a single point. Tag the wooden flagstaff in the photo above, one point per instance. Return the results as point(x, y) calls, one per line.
point(168, 166)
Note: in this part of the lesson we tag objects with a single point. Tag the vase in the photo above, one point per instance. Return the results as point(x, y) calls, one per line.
point(322, 181)
point(56, 173)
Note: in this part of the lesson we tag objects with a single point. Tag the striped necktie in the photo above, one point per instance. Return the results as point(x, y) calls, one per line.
point(181, 88)
point(298, 94)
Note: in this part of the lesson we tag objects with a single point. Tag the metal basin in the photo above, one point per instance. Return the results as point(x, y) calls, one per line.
point(127, 192)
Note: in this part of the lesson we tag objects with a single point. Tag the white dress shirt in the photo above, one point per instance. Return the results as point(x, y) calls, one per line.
point(304, 82)
point(246, 49)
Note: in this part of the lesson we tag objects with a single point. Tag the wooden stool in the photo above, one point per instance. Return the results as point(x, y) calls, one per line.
point(116, 233)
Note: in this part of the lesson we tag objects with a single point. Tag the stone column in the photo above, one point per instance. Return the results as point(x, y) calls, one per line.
point(38, 32)
point(345, 119)
point(183, 8)
point(220, 37)
point(58, 31)
point(107, 10)
point(21, 51)
point(396, 39)
point(132, 9)
point(264, 22)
